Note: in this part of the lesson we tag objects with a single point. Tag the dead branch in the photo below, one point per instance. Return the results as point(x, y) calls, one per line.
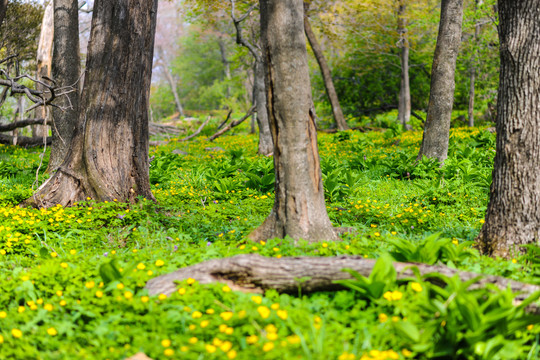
point(256, 273)
point(158, 129)
point(198, 130)
point(24, 141)
point(20, 124)
point(232, 124)
point(240, 40)
point(226, 119)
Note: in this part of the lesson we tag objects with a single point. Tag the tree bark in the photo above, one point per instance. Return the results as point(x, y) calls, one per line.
point(441, 97)
point(66, 72)
point(44, 62)
point(171, 81)
point(326, 74)
point(226, 63)
point(3, 8)
point(513, 214)
point(404, 103)
point(473, 67)
point(299, 210)
point(108, 158)
point(256, 273)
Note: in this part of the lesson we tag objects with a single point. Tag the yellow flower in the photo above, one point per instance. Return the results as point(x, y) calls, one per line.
point(227, 315)
point(3, 314)
point(168, 352)
point(120, 286)
point(530, 327)
point(63, 265)
point(72, 252)
point(416, 286)
point(226, 289)
point(210, 348)
point(196, 314)
point(141, 266)
point(99, 294)
point(324, 245)
point(160, 263)
point(191, 281)
point(20, 309)
point(52, 331)
point(204, 323)
point(406, 353)
point(128, 295)
point(252, 339)
point(193, 340)
point(165, 342)
point(268, 346)
point(272, 336)
point(145, 299)
point(90, 284)
point(1, 339)
point(162, 297)
point(210, 311)
point(16, 333)
point(257, 299)
point(181, 291)
point(231, 354)
point(383, 317)
point(274, 306)
point(396, 295)
point(514, 261)
point(225, 346)
point(293, 339)
point(63, 303)
point(48, 307)
point(54, 254)
point(229, 331)
point(263, 311)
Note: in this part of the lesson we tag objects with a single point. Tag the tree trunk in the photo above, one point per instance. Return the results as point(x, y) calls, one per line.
point(3, 8)
point(171, 81)
point(326, 74)
point(441, 97)
point(226, 64)
point(404, 107)
point(66, 72)
point(266, 145)
point(299, 209)
point(256, 273)
point(473, 68)
point(108, 158)
point(44, 62)
point(513, 214)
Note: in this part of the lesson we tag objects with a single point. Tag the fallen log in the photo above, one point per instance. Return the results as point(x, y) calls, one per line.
point(231, 125)
point(198, 130)
point(256, 273)
point(24, 141)
point(159, 129)
point(20, 124)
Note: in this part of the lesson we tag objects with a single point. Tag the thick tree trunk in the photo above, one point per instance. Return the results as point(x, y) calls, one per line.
point(326, 74)
point(44, 62)
point(473, 68)
point(441, 97)
point(404, 107)
point(256, 273)
point(266, 146)
point(108, 158)
point(66, 72)
point(171, 81)
point(3, 8)
point(299, 209)
point(513, 214)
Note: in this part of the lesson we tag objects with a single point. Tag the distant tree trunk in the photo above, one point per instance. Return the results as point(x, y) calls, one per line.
point(473, 68)
point(404, 107)
point(44, 62)
point(513, 214)
point(226, 63)
point(299, 209)
point(66, 72)
point(3, 8)
point(326, 74)
point(170, 80)
point(441, 97)
point(108, 158)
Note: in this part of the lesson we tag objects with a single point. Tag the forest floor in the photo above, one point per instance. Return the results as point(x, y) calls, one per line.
point(72, 279)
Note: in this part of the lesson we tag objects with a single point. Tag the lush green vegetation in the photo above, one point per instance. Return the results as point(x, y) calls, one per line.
point(73, 278)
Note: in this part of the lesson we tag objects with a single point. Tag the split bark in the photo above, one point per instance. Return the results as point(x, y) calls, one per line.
point(256, 273)
point(513, 213)
point(66, 72)
point(299, 209)
point(326, 74)
point(441, 96)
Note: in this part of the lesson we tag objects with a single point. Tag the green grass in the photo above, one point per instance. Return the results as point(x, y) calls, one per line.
point(208, 202)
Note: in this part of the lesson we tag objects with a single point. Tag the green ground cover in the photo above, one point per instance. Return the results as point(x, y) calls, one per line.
point(72, 279)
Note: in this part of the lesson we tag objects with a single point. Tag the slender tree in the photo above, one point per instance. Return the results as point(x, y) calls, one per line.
point(472, 70)
point(441, 97)
point(513, 214)
point(404, 103)
point(169, 76)
point(108, 158)
point(66, 72)
point(299, 210)
point(325, 71)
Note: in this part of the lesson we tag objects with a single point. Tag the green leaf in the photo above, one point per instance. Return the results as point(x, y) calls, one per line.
point(109, 272)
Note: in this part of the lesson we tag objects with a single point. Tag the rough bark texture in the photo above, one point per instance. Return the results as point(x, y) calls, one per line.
point(256, 273)
point(326, 74)
point(513, 214)
point(299, 209)
point(404, 104)
point(108, 158)
point(473, 68)
point(44, 62)
point(66, 72)
point(170, 80)
point(441, 97)
point(3, 8)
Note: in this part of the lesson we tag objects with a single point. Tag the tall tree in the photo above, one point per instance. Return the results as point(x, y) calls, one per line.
point(299, 210)
point(172, 83)
point(404, 102)
point(108, 158)
point(441, 97)
point(472, 76)
point(325, 71)
point(3, 8)
point(513, 214)
point(66, 72)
